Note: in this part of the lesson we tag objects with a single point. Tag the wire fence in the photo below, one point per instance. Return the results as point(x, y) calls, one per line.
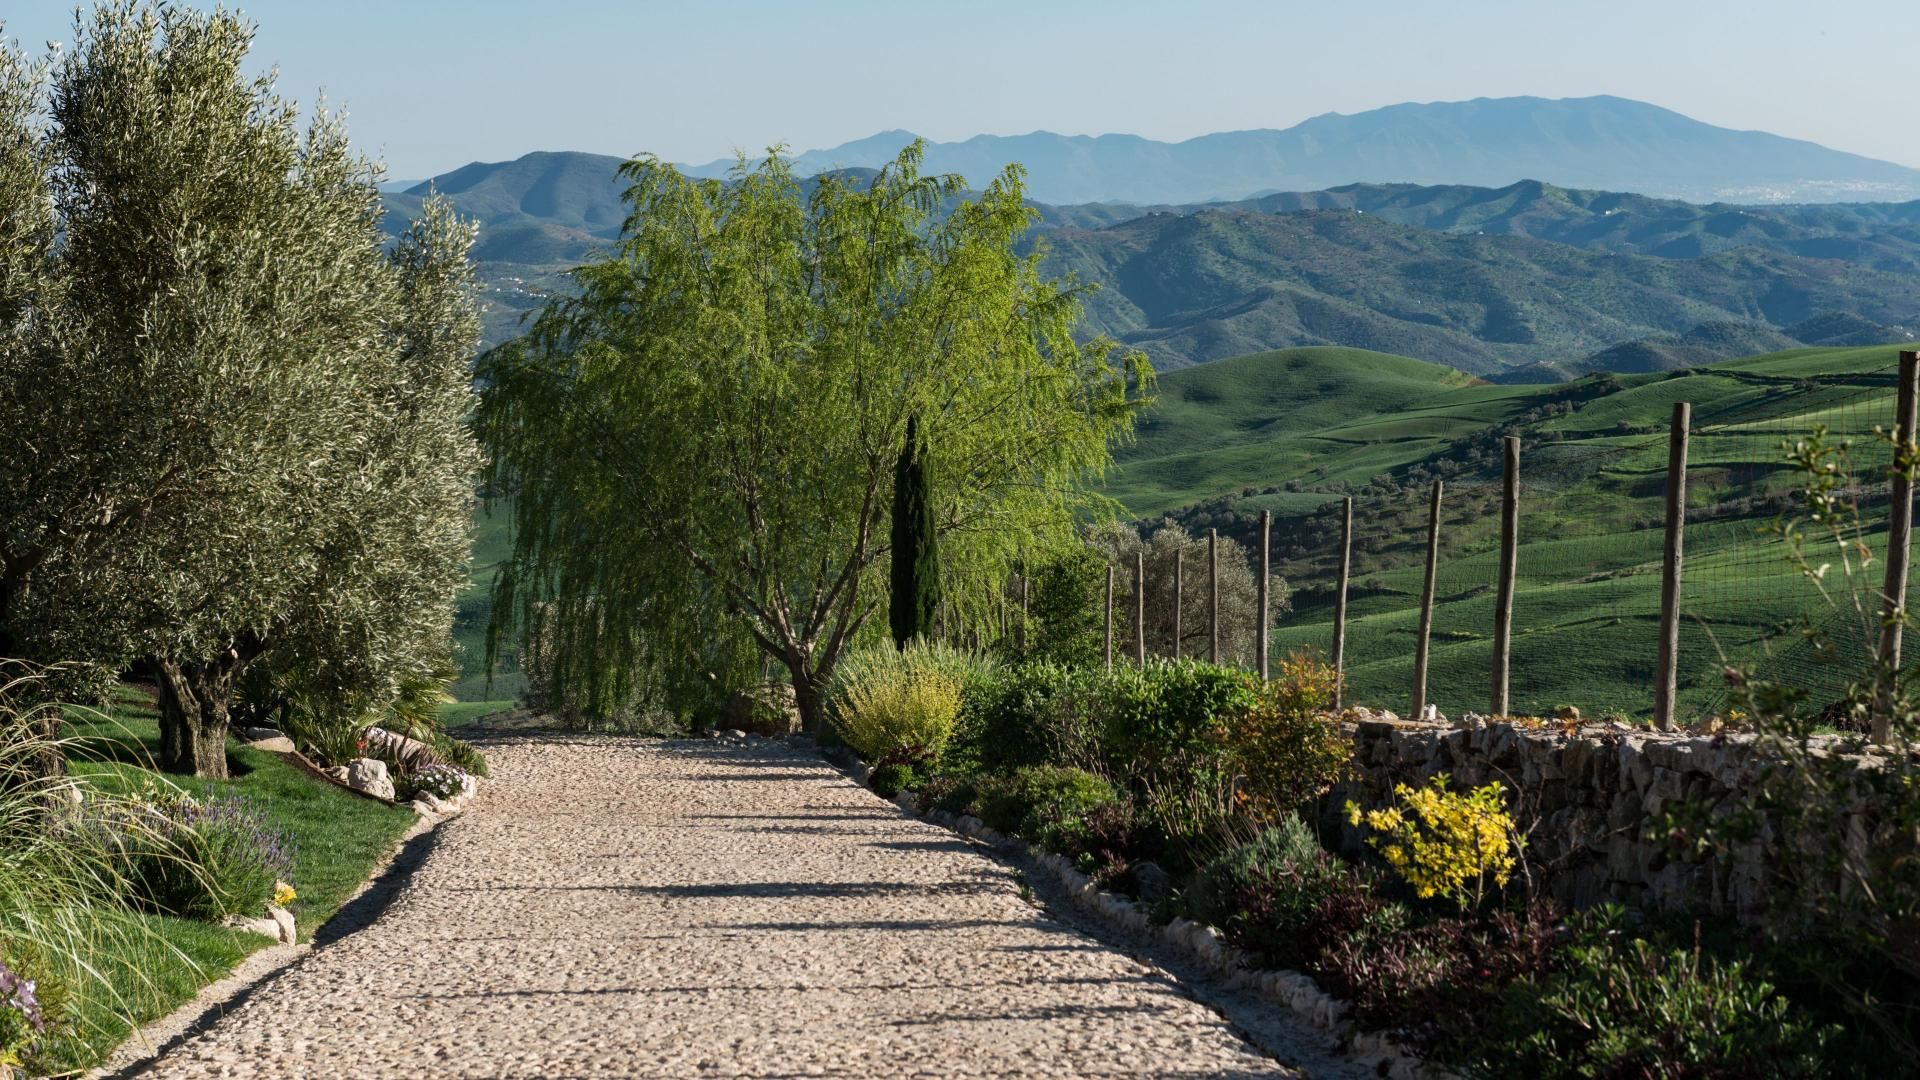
point(1586, 607)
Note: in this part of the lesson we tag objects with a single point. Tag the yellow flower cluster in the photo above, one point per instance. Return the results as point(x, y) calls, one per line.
point(1444, 844)
point(283, 894)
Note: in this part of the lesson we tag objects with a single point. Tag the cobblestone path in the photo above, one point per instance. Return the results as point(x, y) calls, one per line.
point(639, 908)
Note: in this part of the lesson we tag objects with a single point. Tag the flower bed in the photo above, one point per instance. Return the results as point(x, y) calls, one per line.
point(1437, 929)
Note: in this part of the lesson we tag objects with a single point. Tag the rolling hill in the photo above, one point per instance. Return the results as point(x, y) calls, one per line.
point(1882, 236)
point(1531, 277)
point(1294, 431)
point(1189, 288)
point(1592, 142)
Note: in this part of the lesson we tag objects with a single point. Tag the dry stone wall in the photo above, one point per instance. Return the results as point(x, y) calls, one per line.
point(1589, 798)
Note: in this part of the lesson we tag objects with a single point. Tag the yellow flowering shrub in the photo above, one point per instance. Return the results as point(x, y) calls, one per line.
point(1444, 844)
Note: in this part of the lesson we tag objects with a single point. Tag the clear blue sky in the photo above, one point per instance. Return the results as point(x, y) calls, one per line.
point(433, 84)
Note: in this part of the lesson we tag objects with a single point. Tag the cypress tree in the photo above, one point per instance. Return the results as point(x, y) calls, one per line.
point(916, 563)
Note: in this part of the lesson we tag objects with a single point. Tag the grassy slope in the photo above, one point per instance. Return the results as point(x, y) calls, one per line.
point(339, 838)
point(1327, 414)
point(491, 546)
point(1589, 562)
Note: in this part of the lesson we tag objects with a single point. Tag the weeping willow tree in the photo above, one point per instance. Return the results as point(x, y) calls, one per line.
point(704, 439)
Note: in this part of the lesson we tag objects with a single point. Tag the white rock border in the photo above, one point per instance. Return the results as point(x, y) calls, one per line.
point(1200, 943)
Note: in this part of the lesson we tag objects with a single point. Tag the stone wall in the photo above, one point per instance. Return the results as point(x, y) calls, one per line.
point(1589, 797)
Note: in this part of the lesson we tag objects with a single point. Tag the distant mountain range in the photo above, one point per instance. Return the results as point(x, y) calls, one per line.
point(1606, 143)
point(1527, 280)
point(1200, 286)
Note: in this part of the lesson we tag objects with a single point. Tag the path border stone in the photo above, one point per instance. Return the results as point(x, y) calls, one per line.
point(1198, 942)
point(142, 1046)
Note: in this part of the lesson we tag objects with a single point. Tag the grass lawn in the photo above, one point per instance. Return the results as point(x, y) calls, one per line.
point(458, 714)
point(160, 963)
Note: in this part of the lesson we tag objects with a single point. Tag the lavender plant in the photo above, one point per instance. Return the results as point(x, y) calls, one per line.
point(21, 1020)
point(205, 859)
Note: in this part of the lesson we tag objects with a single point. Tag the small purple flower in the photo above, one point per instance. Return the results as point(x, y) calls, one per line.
point(238, 815)
point(22, 996)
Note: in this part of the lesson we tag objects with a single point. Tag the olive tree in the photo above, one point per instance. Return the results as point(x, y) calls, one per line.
point(1239, 591)
point(709, 430)
point(238, 416)
point(376, 614)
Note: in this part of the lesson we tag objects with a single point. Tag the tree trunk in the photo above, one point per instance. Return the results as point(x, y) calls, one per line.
point(810, 698)
point(47, 761)
point(194, 699)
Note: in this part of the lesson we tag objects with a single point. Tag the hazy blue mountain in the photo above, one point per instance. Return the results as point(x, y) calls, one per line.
point(1528, 276)
point(1603, 142)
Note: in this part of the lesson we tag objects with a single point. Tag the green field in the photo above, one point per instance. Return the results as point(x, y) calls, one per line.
point(1295, 430)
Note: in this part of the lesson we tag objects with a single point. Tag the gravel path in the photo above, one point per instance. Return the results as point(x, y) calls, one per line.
point(639, 908)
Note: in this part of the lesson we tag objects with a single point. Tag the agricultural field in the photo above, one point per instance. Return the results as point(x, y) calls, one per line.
point(1294, 431)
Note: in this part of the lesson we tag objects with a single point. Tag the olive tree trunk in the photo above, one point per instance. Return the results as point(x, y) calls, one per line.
point(195, 699)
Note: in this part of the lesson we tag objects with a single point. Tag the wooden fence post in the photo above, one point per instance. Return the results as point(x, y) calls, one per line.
point(1666, 678)
point(1109, 616)
point(1509, 567)
point(1140, 607)
point(1266, 570)
point(1426, 607)
point(1893, 597)
point(1213, 596)
point(1340, 604)
point(1179, 569)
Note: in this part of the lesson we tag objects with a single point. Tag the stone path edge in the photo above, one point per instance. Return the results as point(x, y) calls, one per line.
point(145, 1044)
point(1198, 942)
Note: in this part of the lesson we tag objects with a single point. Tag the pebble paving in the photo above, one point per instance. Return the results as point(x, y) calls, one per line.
point(612, 907)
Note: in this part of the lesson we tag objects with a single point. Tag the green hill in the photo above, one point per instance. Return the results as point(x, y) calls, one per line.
point(1325, 412)
point(1188, 288)
point(1882, 236)
point(1236, 437)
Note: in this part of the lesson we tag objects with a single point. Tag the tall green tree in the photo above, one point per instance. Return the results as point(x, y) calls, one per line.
point(915, 593)
point(238, 420)
point(377, 613)
point(709, 429)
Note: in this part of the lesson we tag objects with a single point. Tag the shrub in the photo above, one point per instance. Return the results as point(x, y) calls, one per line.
point(328, 737)
point(885, 699)
point(1047, 804)
point(440, 781)
point(1444, 845)
point(1285, 747)
point(1170, 709)
point(1266, 893)
point(23, 1017)
point(953, 794)
point(900, 769)
point(1067, 609)
point(1620, 1006)
point(202, 859)
point(1018, 716)
point(458, 753)
point(1165, 727)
